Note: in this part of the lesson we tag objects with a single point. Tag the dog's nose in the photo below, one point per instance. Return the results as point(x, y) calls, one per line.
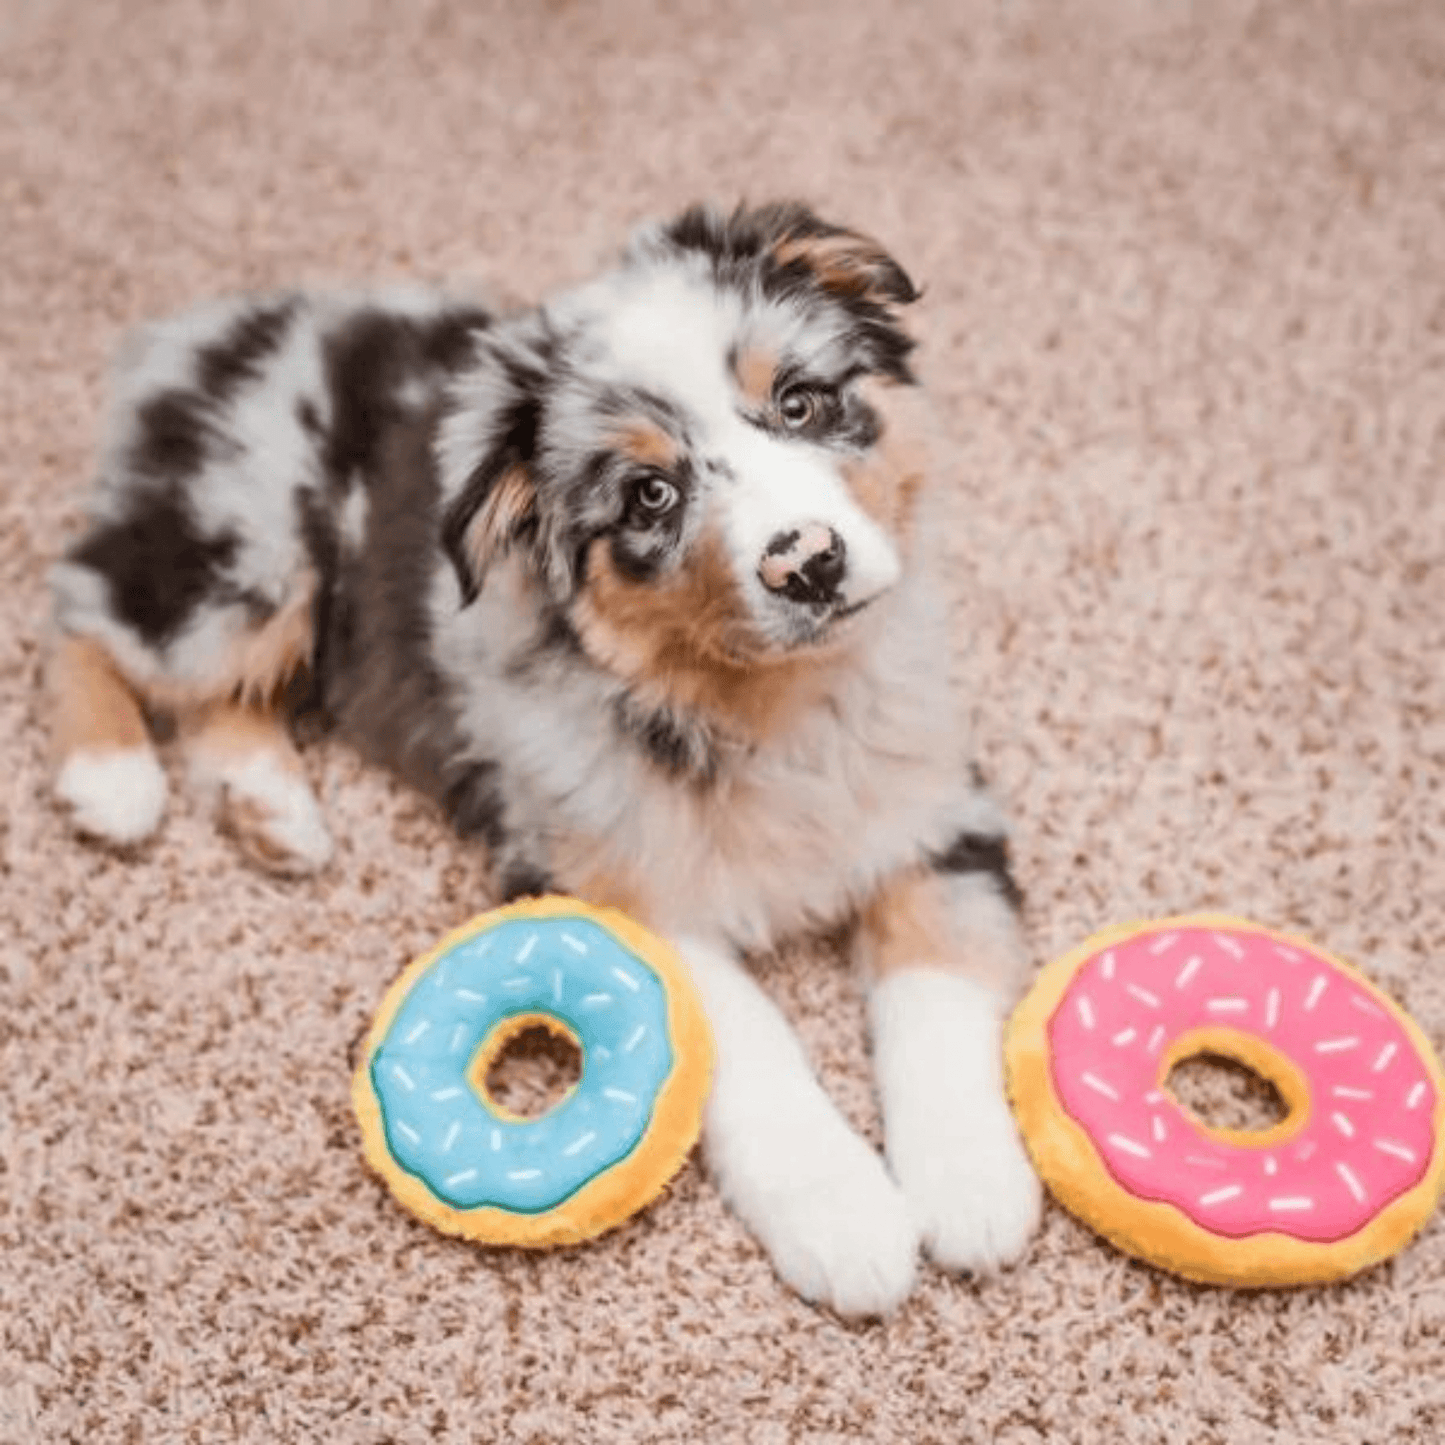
point(805, 564)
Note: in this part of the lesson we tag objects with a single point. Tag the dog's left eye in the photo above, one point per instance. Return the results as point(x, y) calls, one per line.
point(654, 496)
point(803, 405)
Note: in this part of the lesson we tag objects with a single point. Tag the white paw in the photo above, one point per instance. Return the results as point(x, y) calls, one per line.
point(117, 796)
point(274, 817)
point(820, 1200)
point(973, 1193)
point(952, 1143)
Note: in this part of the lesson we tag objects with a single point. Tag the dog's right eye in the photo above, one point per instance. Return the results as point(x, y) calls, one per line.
point(653, 496)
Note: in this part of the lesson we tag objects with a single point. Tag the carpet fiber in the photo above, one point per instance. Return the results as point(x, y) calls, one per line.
point(1185, 266)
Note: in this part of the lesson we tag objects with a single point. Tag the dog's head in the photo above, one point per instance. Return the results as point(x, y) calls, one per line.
point(693, 453)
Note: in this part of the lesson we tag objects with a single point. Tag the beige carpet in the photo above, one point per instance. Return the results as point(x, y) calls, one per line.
point(1186, 277)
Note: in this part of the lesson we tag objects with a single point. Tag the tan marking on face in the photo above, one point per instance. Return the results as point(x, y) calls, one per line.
point(647, 444)
point(755, 368)
point(93, 709)
point(687, 641)
point(911, 922)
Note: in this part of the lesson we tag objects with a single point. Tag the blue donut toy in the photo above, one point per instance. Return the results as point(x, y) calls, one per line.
point(453, 1155)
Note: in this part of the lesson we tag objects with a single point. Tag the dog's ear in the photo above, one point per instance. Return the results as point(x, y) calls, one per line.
point(488, 445)
point(844, 262)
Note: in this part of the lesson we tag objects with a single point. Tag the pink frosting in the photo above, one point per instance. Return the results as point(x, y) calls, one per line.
point(1370, 1131)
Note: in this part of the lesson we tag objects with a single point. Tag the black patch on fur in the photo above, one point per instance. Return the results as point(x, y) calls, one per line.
point(981, 853)
point(474, 804)
point(678, 748)
point(525, 880)
point(174, 436)
point(330, 628)
point(370, 358)
point(224, 365)
point(157, 562)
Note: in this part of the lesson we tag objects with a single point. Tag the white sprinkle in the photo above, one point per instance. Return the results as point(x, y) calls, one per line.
point(417, 1032)
point(1412, 1099)
point(1383, 1061)
point(1317, 988)
point(1142, 994)
point(1201, 1162)
point(1228, 1005)
point(496, 1140)
point(1086, 1011)
point(1099, 1086)
point(1288, 954)
point(451, 1137)
point(520, 980)
point(1305, 1150)
point(620, 1096)
point(1348, 1175)
point(459, 1037)
point(1271, 1009)
point(1365, 1006)
point(637, 1036)
point(626, 979)
point(407, 1132)
point(442, 1095)
point(1271, 1164)
point(1229, 945)
point(1106, 964)
point(580, 1142)
point(524, 1174)
point(468, 996)
point(1153, 1097)
point(596, 1000)
point(1399, 1151)
point(575, 944)
point(1160, 1133)
point(1130, 1146)
point(1155, 1039)
point(1337, 1046)
point(1221, 1196)
point(454, 1179)
point(1291, 1204)
point(557, 986)
point(525, 951)
point(1164, 944)
point(1343, 1124)
point(1343, 1091)
point(601, 1054)
point(402, 1077)
point(1125, 1037)
point(1188, 971)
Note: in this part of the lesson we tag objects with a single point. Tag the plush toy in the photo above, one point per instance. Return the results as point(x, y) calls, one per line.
point(454, 1156)
point(1343, 1181)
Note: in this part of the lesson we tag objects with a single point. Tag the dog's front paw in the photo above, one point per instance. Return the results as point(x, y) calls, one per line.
point(952, 1143)
point(973, 1193)
point(837, 1227)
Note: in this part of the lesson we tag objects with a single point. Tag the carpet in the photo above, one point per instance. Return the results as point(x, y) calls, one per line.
point(1185, 274)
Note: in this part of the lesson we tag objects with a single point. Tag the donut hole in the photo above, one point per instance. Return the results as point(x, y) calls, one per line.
point(533, 1072)
point(1223, 1093)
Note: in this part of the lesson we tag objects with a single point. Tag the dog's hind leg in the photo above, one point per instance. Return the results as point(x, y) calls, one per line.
point(106, 770)
point(244, 755)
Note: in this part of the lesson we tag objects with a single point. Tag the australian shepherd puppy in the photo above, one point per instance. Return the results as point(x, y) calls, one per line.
point(640, 586)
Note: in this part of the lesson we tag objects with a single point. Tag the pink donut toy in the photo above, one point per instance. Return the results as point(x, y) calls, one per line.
point(1344, 1180)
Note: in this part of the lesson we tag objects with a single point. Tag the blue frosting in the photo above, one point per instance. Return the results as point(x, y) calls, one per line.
point(441, 1129)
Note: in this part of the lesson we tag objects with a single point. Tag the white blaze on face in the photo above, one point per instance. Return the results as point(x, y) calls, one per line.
point(673, 332)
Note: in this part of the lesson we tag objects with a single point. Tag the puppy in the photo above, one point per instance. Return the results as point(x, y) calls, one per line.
point(640, 587)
